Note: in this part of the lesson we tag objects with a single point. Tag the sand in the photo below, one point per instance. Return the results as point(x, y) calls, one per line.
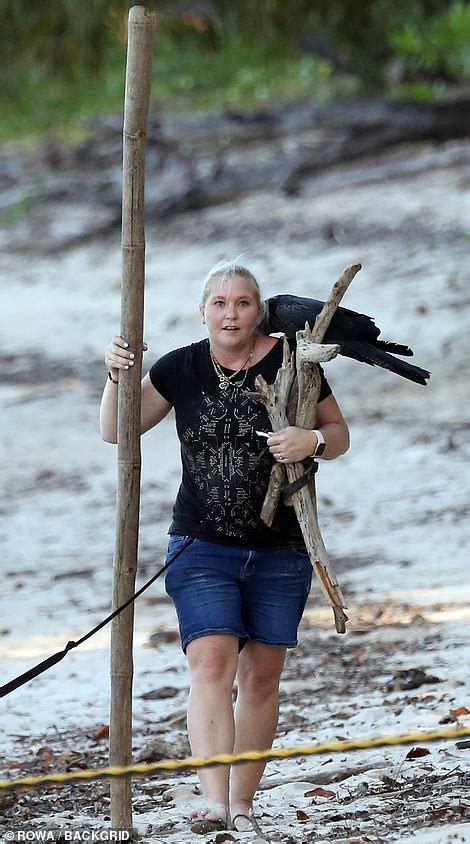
point(393, 511)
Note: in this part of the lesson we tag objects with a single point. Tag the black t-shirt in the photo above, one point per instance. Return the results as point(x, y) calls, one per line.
point(225, 474)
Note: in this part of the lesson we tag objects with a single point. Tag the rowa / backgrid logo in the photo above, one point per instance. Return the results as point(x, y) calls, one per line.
point(59, 835)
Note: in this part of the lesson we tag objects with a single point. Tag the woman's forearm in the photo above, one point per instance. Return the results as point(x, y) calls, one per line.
point(336, 436)
point(108, 412)
point(117, 357)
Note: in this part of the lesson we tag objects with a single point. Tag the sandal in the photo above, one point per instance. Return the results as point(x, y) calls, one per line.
point(254, 825)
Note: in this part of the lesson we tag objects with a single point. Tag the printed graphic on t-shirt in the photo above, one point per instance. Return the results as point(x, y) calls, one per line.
point(223, 483)
point(222, 455)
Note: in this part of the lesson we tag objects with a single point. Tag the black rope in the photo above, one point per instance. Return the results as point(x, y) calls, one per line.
point(55, 658)
point(289, 489)
point(264, 451)
point(312, 467)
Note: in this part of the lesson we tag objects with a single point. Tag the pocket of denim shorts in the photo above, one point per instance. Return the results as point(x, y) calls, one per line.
point(176, 541)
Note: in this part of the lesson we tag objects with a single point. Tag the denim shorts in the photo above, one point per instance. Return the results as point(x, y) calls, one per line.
point(257, 594)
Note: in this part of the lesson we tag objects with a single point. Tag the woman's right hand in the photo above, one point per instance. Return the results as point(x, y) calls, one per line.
point(118, 355)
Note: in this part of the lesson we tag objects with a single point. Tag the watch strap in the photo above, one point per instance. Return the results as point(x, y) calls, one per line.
point(321, 444)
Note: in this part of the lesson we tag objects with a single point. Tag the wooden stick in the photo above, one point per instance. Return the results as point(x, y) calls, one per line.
point(315, 334)
point(305, 509)
point(309, 382)
point(280, 392)
point(136, 105)
point(326, 314)
point(307, 385)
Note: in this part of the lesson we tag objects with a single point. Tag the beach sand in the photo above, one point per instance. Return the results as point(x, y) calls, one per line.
point(394, 513)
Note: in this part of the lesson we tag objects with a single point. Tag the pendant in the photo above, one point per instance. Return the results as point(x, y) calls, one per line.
point(224, 385)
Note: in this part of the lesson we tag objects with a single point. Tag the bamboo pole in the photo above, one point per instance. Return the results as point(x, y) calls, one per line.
point(136, 105)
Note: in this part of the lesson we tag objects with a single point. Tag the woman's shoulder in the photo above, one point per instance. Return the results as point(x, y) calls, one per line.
point(182, 353)
point(177, 366)
point(180, 360)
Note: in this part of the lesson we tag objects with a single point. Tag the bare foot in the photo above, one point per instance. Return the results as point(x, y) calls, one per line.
point(209, 811)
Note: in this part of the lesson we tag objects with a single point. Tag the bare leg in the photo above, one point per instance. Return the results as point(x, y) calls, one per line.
point(213, 664)
point(256, 716)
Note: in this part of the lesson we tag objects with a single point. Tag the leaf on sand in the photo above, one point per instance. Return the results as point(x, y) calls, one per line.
point(416, 752)
point(160, 694)
point(302, 816)
point(101, 733)
point(161, 749)
point(45, 755)
point(319, 792)
point(161, 637)
point(410, 678)
point(461, 710)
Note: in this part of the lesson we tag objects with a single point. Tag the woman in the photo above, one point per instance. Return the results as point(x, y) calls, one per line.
point(239, 587)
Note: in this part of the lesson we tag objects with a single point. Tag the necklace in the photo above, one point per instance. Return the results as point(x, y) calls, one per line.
point(226, 381)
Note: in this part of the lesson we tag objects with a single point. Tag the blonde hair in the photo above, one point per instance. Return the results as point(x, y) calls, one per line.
point(229, 269)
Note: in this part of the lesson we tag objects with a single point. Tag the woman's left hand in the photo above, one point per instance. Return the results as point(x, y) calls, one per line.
point(292, 444)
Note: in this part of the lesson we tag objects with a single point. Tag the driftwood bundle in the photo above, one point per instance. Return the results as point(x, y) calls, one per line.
point(292, 400)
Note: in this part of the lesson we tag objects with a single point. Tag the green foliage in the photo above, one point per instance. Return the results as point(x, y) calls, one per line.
point(63, 60)
point(417, 92)
point(195, 66)
point(60, 60)
point(241, 73)
point(363, 36)
point(48, 102)
point(437, 46)
point(58, 34)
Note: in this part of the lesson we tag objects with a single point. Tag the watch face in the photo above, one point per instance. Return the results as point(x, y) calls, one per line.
point(320, 449)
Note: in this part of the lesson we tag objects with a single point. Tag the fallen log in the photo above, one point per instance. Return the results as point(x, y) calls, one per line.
point(203, 160)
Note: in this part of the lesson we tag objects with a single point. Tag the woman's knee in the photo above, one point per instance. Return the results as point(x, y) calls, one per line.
point(257, 685)
point(259, 674)
point(213, 659)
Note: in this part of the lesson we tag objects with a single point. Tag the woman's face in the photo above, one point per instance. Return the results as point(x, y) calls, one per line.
point(231, 311)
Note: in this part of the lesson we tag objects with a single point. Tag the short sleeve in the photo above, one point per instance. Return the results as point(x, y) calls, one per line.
point(162, 376)
point(325, 389)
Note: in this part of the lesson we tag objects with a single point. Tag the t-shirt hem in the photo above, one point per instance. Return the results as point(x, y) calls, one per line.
point(236, 542)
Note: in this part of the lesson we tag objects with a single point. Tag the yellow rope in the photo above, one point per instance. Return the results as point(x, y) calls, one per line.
point(25, 783)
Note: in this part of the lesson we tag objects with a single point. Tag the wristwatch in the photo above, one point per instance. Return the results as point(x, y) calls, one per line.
point(321, 444)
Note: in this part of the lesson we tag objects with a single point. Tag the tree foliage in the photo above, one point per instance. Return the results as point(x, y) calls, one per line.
point(67, 58)
point(360, 35)
point(59, 33)
point(363, 36)
point(436, 45)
